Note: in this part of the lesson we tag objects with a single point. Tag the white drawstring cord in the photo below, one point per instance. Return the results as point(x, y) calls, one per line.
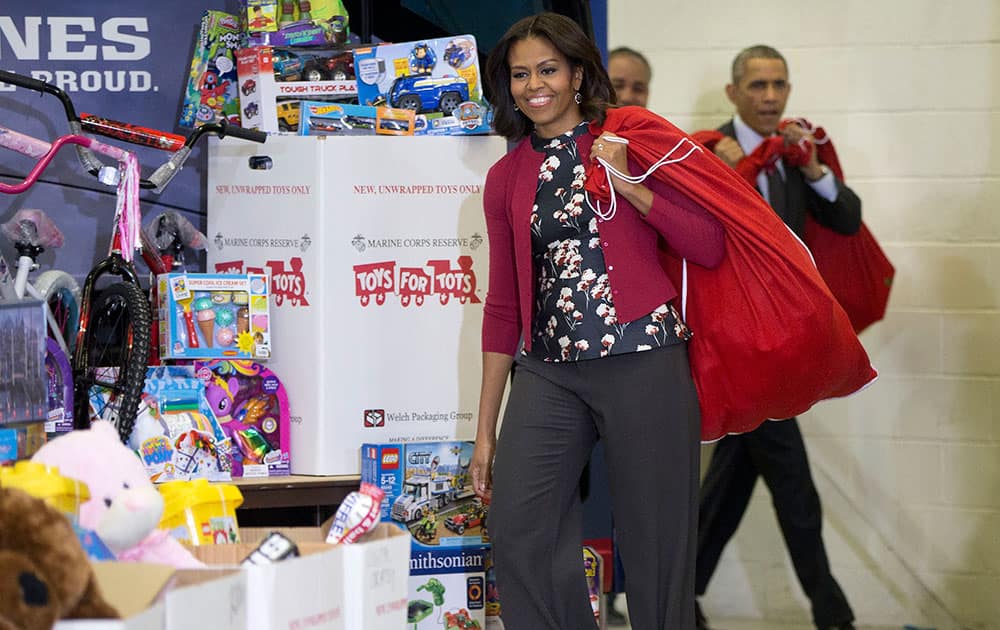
point(633, 179)
point(636, 179)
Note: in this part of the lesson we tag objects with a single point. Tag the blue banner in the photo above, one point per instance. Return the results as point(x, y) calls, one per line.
point(128, 61)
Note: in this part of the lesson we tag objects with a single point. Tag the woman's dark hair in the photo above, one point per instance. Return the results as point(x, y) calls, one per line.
point(569, 39)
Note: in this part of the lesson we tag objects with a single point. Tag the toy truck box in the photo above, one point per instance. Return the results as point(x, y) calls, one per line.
point(211, 89)
point(439, 79)
point(269, 76)
point(427, 488)
point(447, 588)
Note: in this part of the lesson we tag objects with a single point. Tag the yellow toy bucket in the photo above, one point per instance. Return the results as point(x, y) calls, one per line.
point(45, 482)
point(199, 512)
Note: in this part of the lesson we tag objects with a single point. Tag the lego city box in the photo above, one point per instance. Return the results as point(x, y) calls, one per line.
point(438, 79)
point(428, 489)
point(447, 588)
point(214, 316)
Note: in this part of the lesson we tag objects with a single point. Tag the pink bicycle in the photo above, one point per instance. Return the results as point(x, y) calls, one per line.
point(112, 342)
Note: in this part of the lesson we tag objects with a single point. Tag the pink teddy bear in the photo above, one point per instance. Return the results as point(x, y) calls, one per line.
point(125, 508)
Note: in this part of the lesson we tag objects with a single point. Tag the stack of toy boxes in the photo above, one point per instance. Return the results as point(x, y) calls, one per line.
point(439, 79)
point(428, 490)
point(222, 321)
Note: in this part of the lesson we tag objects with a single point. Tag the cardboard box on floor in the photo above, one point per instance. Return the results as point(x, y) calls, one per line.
point(361, 585)
point(158, 597)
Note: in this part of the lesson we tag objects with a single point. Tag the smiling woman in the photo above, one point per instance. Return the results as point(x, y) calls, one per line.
point(581, 311)
point(545, 39)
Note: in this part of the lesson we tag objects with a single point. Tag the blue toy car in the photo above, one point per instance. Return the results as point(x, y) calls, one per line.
point(428, 94)
point(286, 64)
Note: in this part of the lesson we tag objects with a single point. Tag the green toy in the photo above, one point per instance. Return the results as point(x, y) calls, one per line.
point(435, 588)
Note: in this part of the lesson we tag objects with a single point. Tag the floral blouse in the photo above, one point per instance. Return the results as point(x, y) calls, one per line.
point(575, 317)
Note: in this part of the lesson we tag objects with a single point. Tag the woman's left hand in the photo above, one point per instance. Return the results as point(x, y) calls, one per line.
point(614, 152)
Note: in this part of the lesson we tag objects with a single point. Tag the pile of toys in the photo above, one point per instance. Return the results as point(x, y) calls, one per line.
point(292, 66)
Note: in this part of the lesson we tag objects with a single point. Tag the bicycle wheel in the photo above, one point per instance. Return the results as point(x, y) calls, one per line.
point(109, 366)
point(60, 389)
point(61, 291)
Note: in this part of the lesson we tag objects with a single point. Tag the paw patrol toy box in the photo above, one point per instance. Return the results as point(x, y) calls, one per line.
point(429, 490)
point(214, 316)
point(439, 79)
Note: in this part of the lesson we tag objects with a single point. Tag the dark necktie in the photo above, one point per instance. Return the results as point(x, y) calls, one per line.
point(776, 192)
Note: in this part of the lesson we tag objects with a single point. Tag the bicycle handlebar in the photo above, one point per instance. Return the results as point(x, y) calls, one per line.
point(129, 133)
point(36, 148)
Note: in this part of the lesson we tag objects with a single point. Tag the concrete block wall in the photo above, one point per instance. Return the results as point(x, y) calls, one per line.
point(909, 470)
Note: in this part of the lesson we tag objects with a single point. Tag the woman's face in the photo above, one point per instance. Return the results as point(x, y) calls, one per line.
point(543, 85)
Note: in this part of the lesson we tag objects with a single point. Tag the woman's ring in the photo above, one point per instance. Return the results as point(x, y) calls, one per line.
point(600, 147)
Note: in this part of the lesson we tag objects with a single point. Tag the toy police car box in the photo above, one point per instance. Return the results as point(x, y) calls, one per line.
point(320, 118)
point(428, 488)
point(438, 79)
point(447, 587)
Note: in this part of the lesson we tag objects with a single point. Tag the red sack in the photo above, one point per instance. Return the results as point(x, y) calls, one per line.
point(769, 338)
point(854, 266)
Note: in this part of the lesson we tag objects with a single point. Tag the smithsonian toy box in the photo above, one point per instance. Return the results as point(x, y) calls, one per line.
point(447, 588)
point(429, 490)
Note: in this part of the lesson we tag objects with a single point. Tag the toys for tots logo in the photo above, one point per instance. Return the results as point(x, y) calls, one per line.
point(287, 282)
point(415, 284)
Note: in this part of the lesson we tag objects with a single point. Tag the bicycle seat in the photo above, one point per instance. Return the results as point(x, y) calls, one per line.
point(32, 227)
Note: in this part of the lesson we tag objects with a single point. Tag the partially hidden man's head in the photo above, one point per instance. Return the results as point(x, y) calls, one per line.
point(630, 74)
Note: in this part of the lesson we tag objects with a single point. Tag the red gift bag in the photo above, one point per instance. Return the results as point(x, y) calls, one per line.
point(769, 339)
point(855, 268)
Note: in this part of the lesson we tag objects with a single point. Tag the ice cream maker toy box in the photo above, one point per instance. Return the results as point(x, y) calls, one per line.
point(428, 489)
point(447, 588)
point(214, 316)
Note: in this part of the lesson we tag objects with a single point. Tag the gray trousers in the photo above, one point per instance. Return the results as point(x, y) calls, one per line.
point(645, 409)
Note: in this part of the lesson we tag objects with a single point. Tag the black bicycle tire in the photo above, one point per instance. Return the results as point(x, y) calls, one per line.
point(131, 376)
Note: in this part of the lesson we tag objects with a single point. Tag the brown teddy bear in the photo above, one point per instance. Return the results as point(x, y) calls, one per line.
point(44, 573)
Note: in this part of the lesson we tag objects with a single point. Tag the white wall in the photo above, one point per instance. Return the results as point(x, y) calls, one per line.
point(909, 470)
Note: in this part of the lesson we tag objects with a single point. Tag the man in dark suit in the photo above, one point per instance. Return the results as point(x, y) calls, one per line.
point(775, 451)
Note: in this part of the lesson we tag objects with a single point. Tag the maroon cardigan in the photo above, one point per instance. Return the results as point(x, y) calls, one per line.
point(629, 242)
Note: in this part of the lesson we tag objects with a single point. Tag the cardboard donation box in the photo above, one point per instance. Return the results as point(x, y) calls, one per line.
point(377, 252)
point(304, 592)
point(373, 593)
point(158, 597)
